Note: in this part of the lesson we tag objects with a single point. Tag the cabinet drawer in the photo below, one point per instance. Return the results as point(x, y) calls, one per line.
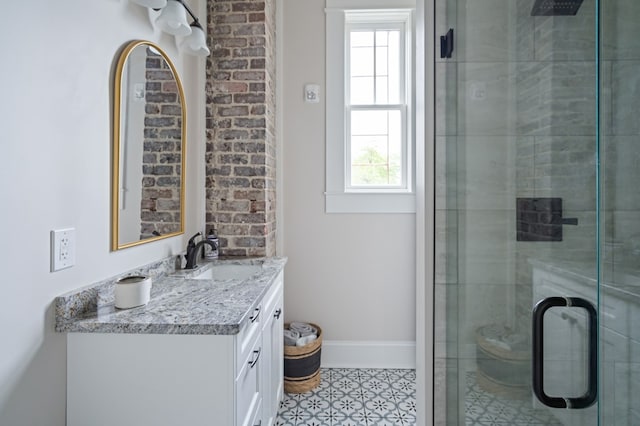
point(248, 334)
point(248, 385)
point(254, 418)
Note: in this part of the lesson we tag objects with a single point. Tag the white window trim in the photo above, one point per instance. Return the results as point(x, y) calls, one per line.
point(339, 199)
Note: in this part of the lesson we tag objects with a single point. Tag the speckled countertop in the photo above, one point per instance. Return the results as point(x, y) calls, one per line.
point(179, 303)
point(617, 282)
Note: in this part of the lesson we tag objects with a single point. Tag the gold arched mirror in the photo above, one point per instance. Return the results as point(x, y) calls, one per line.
point(149, 147)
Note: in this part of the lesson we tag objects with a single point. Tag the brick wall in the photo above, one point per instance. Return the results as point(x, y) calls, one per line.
point(162, 154)
point(241, 152)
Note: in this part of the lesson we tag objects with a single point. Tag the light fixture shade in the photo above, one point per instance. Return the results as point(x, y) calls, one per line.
point(195, 43)
point(173, 19)
point(152, 4)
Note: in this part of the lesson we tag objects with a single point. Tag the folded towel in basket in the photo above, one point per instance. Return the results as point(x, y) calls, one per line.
point(291, 337)
point(303, 329)
point(306, 340)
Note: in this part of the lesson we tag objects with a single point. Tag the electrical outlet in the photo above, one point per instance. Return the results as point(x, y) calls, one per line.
point(312, 93)
point(63, 249)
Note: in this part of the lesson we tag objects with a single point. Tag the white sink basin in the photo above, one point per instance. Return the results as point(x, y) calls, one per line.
point(229, 272)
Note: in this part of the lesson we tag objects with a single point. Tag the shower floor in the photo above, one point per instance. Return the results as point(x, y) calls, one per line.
point(484, 408)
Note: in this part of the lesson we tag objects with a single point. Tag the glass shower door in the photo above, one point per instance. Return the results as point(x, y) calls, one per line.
point(517, 213)
point(538, 155)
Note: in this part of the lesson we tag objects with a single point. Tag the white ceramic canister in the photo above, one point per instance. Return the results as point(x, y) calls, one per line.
point(132, 291)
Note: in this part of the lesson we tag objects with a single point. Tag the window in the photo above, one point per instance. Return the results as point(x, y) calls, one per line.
point(369, 108)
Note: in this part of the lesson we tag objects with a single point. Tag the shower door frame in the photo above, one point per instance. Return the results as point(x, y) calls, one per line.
point(425, 208)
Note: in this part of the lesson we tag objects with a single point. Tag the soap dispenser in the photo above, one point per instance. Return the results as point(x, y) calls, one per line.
point(212, 237)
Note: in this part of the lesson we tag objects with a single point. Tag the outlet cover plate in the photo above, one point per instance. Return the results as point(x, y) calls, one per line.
point(63, 249)
point(312, 93)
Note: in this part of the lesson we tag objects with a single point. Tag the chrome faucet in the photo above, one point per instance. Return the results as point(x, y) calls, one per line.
point(193, 249)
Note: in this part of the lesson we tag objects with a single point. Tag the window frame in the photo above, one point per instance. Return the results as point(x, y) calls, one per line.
point(340, 195)
point(355, 21)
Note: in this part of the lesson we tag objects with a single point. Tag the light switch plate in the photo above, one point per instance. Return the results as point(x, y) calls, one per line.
point(63, 249)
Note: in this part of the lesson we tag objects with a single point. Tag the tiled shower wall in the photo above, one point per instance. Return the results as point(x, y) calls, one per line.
point(620, 122)
point(241, 143)
point(515, 117)
point(556, 144)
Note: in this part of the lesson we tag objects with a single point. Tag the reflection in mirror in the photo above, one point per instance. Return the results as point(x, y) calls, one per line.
point(148, 147)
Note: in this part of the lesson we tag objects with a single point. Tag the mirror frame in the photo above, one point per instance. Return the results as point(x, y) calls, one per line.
point(118, 136)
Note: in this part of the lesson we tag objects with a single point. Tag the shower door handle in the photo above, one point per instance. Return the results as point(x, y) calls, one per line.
point(591, 394)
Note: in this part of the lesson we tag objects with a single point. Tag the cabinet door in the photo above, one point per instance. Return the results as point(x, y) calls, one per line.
point(149, 380)
point(272, 341)
point(249, 386)
point(268, 416)
point(277, 355)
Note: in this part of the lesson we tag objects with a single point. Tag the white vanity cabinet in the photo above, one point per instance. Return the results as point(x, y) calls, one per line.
point(179, 379)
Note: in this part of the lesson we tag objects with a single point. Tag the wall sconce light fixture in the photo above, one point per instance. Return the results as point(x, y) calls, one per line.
point(153, 4)
point(172, 19)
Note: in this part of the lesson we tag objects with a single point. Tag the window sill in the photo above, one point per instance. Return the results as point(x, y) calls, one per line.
point(341, 202)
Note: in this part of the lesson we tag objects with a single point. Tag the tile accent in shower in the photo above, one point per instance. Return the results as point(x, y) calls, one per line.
point(539, 219)
point(482, 26)
point(619, 19)
point(354, 397)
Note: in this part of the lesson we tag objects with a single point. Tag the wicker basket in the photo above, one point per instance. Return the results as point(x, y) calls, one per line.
point(302, 365)
point(501, 371)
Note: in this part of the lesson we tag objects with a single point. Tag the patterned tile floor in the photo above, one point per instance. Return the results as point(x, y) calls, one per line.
point(354, 397)
point(483, 408)
point(364, 397)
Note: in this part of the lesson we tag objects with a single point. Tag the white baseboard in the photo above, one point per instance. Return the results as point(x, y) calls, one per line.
point(368, 354)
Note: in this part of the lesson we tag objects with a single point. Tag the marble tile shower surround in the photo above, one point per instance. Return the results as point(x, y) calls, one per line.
point(178, 305)
point(481, 27)
point(515, 101)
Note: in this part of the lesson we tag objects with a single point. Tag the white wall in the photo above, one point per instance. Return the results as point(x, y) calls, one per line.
point(353, 274)
point(57, 62)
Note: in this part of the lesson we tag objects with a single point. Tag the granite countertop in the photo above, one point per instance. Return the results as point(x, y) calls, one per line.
point(179, 303)
point(618, 282)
